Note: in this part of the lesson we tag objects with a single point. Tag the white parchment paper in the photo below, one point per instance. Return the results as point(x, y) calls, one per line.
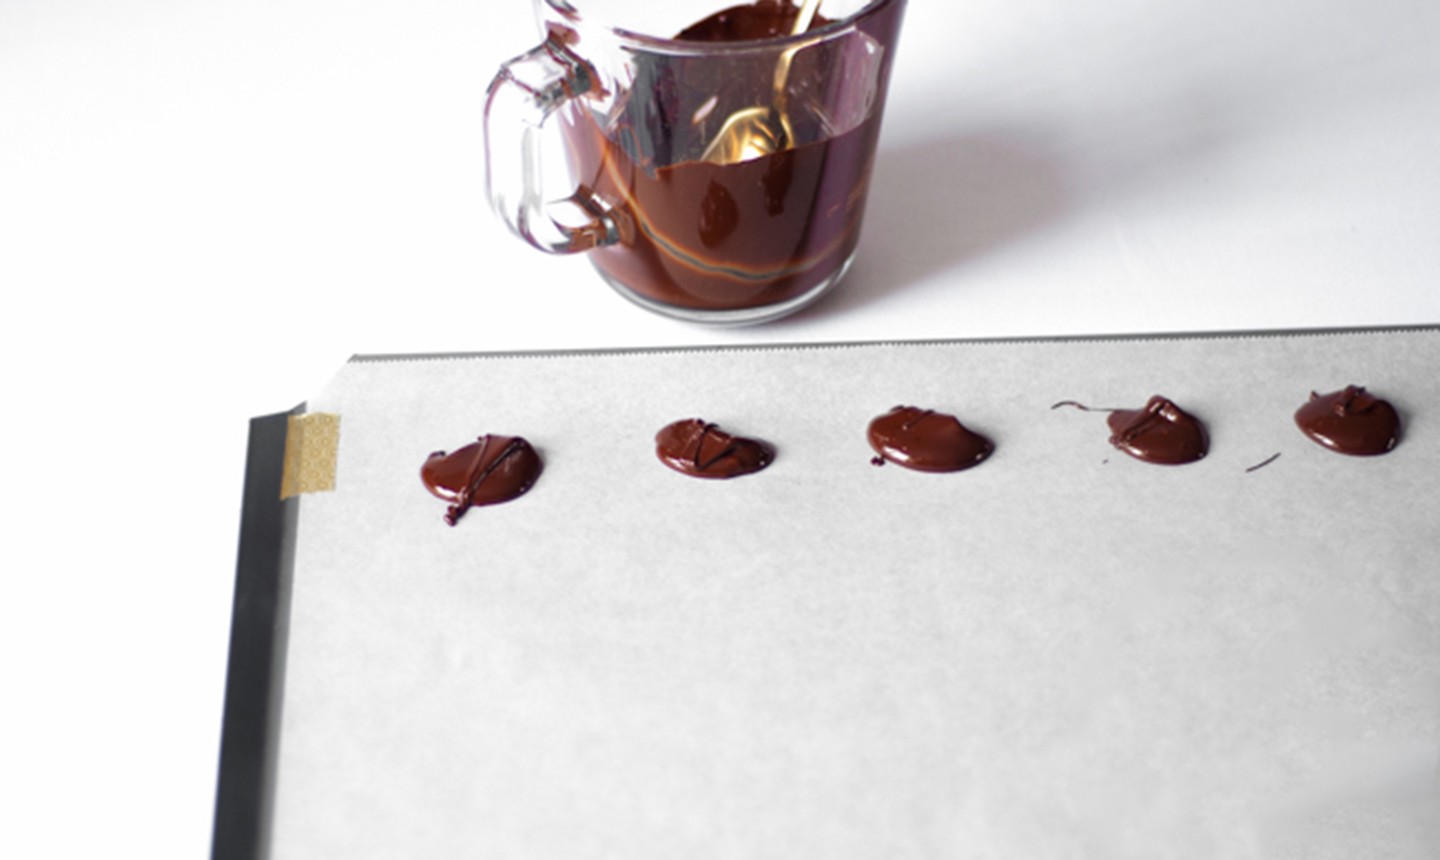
point(1063, 652)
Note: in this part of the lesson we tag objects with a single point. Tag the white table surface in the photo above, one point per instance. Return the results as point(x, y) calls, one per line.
point(205, 208)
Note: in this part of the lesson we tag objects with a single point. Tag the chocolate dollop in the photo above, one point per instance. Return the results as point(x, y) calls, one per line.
point(1161, 433)
point(701, 449)
point(1350, 421)
point(926, 440)
point(488, 471)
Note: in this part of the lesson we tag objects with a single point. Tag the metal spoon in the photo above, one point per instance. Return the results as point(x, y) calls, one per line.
point(758, 131)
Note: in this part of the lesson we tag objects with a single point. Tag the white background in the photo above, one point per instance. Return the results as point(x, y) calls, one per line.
point(206, 207)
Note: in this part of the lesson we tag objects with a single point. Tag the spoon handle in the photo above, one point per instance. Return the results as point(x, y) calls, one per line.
point(803, 20)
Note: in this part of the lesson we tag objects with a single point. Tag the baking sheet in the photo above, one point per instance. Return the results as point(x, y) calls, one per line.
point(1063, 652)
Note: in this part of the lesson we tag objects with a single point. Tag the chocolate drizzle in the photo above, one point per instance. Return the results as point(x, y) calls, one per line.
point(701, 449)
point(1160, 432)
point(1350, 421)
point(1263, 463)
point(926, 440)
point(488, 471)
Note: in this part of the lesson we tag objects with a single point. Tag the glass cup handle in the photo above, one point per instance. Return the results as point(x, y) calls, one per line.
point(526, 92)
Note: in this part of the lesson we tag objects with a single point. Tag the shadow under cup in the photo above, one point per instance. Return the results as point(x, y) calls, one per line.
point(738, 237)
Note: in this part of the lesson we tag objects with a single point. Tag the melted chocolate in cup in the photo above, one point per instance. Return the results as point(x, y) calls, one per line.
point(488, 471)
point(926, 440)
point(700, 449)
point(1350, 421)
point(745, 240)
point(1159, 433)
point(703, 236)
